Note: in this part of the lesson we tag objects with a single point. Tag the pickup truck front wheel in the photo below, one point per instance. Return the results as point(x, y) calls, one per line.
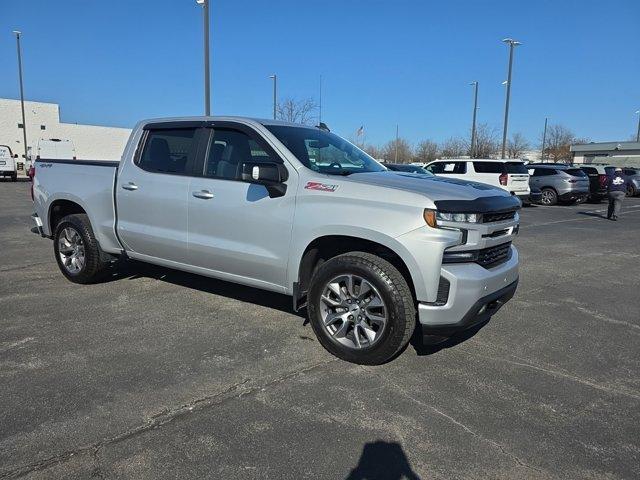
point(77, 251)
point(361, 308)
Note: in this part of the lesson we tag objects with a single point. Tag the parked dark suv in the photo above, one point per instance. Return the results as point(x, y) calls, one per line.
point(559, 182)
point(598, 177)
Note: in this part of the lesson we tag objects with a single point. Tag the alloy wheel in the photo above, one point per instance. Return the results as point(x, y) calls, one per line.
point(71, 250)
point(352, 311)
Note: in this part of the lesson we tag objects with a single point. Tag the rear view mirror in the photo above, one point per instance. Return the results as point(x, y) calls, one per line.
point(270, 174)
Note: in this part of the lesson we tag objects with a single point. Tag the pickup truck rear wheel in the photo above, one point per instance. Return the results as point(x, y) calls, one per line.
point(76, 250)
point(361, 308)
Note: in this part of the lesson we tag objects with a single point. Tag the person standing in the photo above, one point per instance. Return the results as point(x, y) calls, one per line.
point(617, 188)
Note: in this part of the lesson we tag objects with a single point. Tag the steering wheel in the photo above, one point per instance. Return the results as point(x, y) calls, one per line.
point(335, 165)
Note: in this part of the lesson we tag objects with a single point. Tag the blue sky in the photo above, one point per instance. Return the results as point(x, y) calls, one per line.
point(383, 62)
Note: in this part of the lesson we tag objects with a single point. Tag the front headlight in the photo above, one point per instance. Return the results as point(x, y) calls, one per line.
point(434, 217)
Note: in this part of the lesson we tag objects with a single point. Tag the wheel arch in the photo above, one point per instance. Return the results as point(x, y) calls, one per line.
point(60, 208)
point(325, 247)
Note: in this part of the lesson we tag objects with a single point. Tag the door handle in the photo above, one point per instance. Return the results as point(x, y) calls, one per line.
point(130, 186)
point(205, 194)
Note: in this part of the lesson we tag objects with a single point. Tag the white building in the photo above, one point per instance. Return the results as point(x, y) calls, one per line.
point(614, 153)
point(43, 122)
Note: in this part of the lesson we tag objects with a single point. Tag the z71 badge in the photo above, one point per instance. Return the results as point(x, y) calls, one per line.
point(323, 187)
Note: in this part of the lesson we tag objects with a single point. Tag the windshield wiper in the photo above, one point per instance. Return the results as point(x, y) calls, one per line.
point(343, 173)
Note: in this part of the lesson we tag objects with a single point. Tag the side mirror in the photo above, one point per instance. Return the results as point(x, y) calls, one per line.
point(270, 174)
point(15, 155)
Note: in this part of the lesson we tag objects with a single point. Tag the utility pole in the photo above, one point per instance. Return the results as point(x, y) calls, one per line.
point(512, 44)
point(473, 124)
point(320, 106)
point(275, 93)
point(207, 76)
point(24, 120)
point(638, 134)
point(544, 137)
point(397, 129)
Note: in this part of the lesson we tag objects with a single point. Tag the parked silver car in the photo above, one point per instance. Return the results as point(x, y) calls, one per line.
point(559, 182)
point(633, 175)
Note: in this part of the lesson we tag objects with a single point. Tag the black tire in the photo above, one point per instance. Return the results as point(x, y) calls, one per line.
point(393, 290)
point(14, 177)
point(93, 268)
point(631, 190)
point(549, 197)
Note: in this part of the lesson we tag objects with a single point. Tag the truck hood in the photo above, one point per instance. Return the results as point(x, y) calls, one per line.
point(433, 187)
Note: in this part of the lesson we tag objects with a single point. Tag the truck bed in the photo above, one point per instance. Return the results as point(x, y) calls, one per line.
point(89, 183)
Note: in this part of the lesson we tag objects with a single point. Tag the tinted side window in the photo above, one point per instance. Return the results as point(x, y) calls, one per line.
point(168, 151)
point(447, 168)
point(543, 172)
point(630, 171)
point(590, 170)
point(488, 167)
point(435, 167)
point(228, 150)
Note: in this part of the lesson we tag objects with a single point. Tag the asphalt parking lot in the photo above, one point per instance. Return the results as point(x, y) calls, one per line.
point(160, 374)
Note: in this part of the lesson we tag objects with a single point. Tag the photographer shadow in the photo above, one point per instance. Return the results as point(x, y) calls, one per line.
point(382, 460)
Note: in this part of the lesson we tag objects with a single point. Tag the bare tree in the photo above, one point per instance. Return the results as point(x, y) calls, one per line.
point(517, 145)
point(558, 143)
point(454, 147)
point(404, 151)
point(426, 151)
point(375, 151)
point(486, 142)
point(297, 111)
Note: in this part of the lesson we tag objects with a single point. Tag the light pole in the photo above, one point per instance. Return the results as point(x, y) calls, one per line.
point(397, 130)
point(207, 77)
point(473, 124)
point(24, 121)
point(512, 44)
point(274, 77)
point(638, 134)
point(544, 137)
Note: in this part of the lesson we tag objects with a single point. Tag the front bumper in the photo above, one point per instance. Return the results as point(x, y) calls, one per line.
point(475, 294)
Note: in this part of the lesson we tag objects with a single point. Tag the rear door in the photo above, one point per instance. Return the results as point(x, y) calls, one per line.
point(7, 162)
point(153, 192)
point(235, 228)
point(517, 177)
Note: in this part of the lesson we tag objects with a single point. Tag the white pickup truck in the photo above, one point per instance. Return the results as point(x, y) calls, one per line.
point(296, 210)
point(8, 165)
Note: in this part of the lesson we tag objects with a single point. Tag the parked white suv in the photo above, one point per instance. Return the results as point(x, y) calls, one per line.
point(510, 175)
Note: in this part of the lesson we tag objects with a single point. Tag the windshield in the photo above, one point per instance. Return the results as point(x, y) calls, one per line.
point(324, 152)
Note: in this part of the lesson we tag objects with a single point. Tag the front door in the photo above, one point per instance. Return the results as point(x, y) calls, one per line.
point(235, 228)
point(152, 195)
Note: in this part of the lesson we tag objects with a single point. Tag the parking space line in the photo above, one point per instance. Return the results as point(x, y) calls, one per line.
point(627, 211)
